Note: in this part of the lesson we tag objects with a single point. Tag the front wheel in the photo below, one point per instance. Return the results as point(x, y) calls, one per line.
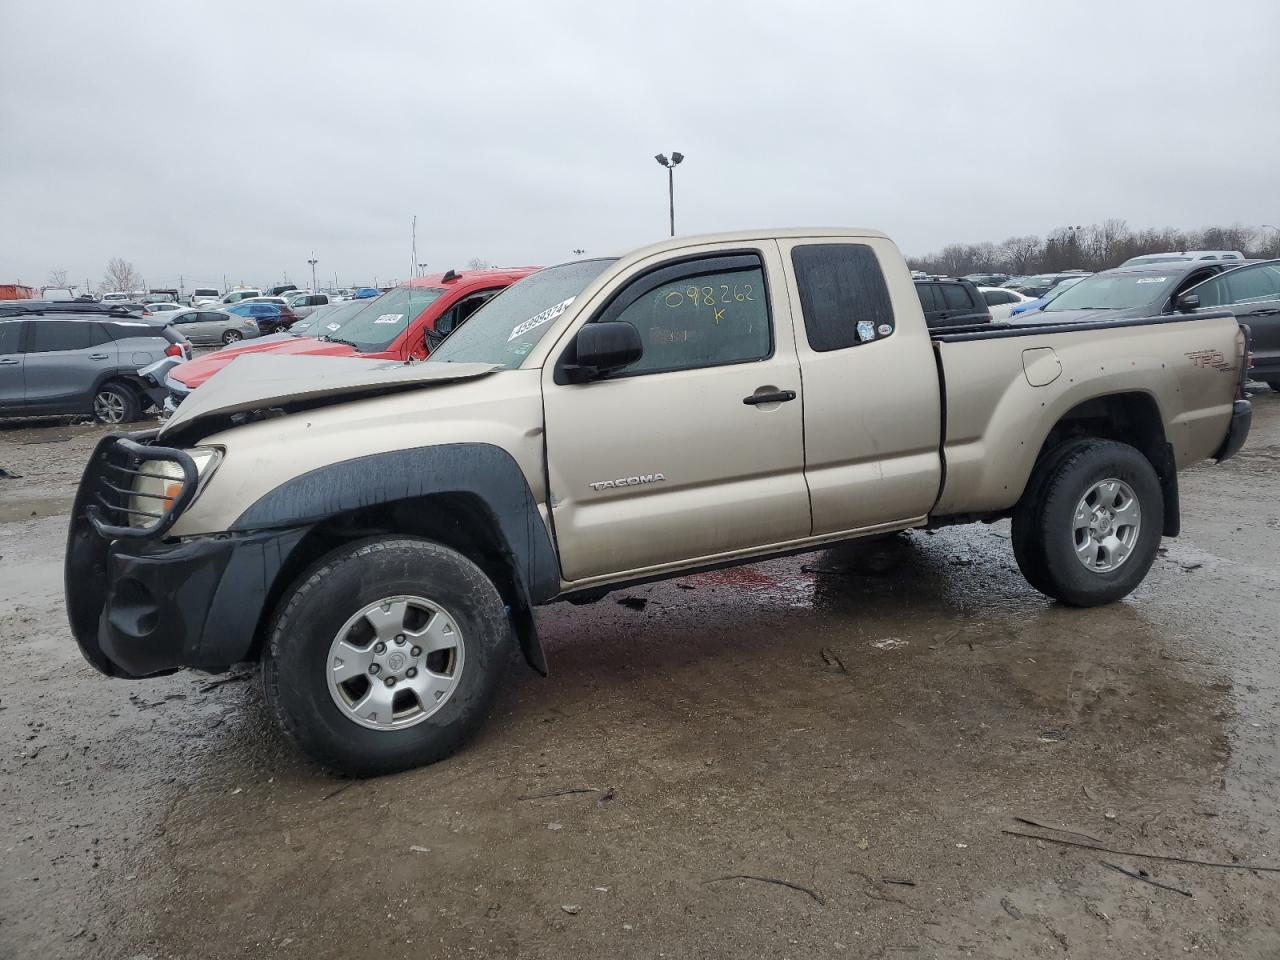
point(386, 655)
point(1088, 531)
point(232, 336)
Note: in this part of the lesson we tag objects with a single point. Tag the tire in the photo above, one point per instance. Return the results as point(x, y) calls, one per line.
point(1274, 384)
point(232, 336)
point(114, 403)
point(325, 605)
point(1084, 484)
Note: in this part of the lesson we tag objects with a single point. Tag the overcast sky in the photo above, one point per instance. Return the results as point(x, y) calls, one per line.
point(206, 139)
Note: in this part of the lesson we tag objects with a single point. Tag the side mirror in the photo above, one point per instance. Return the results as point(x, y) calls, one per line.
point(604, 347)
point(1188, 303)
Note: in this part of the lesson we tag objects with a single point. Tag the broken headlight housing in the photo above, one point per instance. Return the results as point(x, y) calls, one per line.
point(159, 483)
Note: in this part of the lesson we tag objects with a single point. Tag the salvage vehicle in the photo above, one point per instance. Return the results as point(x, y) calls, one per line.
point(401, 325)
point(377, 533)
point(54, 364)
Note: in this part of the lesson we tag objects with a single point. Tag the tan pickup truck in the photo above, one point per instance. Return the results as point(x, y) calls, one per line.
point(377, 533)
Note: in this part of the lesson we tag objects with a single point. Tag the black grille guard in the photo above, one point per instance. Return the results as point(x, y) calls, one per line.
point(108, 481)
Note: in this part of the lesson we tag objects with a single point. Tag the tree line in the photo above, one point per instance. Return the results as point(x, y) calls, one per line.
point(1098, 246)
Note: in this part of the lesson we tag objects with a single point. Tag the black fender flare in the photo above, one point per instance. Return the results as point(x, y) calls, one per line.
point(483, 471)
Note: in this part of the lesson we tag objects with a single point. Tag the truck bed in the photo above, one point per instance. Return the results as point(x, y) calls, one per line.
point(1002, 381)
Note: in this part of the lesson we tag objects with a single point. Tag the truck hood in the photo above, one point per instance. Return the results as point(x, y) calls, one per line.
point(255, 384)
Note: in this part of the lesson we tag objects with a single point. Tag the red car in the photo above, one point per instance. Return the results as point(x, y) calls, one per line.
point(404, 324)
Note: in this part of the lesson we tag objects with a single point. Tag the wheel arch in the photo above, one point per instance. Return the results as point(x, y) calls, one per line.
point(470, 497)
point(1131, 417)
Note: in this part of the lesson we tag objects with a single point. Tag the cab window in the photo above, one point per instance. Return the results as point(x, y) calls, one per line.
point(701, 313)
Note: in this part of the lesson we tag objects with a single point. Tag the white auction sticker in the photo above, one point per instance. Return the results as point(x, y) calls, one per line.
point(390, 318)
point(546, 316)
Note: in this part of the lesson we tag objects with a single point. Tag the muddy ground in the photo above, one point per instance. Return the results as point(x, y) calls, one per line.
point(812, 757)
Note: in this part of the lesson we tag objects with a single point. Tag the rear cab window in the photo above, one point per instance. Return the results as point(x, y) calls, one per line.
point(843, 295)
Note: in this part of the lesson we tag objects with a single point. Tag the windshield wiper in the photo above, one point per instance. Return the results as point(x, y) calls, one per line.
point(340, 340)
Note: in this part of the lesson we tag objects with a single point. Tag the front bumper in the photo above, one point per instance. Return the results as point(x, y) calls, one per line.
point(1237, 430)
point(142, 606)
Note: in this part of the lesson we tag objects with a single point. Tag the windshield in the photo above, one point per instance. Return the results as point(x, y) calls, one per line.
point(1115, 291)
point(375, 327)
point(1061, 288)
point(506, 328)
point(328, 321)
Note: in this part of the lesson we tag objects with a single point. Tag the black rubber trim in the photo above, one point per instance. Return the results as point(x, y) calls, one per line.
point(998, 331)
point(477, 469)
point(1237, 432)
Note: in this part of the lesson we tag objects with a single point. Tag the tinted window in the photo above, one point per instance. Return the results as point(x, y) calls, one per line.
point(9, 336)
point(697, 319)
point(955, 296)
point(1254, 284)
point(51, 335)
point(841, 286)
point(995, 298)
point(1212, 293)
point(930, 299)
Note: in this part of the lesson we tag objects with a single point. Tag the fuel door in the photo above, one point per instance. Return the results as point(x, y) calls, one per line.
point(1041, 366)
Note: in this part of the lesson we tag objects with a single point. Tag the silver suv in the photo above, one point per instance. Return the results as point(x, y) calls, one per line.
point(69, 364)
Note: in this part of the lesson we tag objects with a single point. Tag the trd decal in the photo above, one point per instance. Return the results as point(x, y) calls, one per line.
point(1212, 359)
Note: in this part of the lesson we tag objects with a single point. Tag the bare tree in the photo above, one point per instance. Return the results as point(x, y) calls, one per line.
point(58, 278)
point(475, 263)
point(120, 276)
point(1018, 253)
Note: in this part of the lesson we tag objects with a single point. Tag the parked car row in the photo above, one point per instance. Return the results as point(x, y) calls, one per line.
point(71, 363)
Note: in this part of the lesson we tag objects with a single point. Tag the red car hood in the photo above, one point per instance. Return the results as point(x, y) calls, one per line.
point(195, 372)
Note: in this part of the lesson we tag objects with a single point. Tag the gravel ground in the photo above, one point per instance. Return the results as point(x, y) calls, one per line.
point(811, 757)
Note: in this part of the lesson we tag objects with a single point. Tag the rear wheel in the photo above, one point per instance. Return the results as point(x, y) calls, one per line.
point(115, 403)
point(232, 336)
point(1089, 529)
point(386, 655)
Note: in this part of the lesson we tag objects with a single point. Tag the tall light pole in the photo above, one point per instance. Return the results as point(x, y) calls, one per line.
point(578, 251)
point(671, 181)
point(313, 261)
point(422, 269)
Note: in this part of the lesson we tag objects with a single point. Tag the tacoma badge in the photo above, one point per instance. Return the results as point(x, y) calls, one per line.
point(626, 481)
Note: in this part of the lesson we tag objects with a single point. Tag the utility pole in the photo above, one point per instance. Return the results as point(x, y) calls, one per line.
point(671, 164)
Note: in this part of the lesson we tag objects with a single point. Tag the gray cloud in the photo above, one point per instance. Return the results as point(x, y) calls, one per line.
point(233, 138)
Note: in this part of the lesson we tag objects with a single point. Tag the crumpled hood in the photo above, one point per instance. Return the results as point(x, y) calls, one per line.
point(257, 382)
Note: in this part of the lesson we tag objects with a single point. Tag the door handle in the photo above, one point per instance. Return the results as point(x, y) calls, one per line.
point(778, 396)
point(8, 363)
point(97, 356)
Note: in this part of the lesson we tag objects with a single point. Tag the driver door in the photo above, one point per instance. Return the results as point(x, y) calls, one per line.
point(671, 461)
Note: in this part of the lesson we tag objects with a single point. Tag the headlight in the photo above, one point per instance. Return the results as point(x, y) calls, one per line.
point(160, 481)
